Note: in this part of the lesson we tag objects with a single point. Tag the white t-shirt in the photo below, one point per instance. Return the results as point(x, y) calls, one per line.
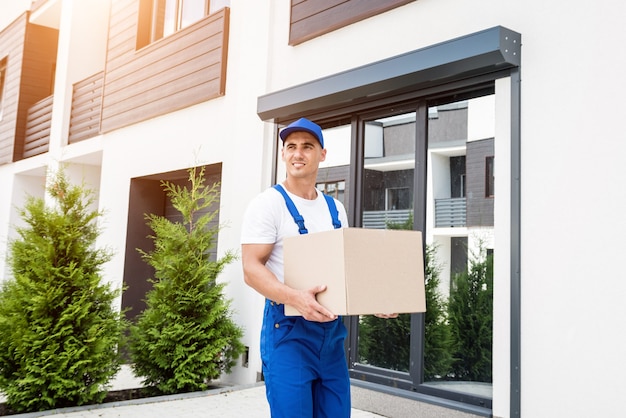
point(267, 220)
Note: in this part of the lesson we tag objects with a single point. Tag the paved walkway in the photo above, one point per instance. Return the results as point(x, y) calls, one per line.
point(245, 401)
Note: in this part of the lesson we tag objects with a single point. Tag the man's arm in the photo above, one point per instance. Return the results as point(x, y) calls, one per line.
point(261, 279)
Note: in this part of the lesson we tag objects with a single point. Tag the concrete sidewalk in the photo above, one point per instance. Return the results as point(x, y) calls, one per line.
point(239, 401)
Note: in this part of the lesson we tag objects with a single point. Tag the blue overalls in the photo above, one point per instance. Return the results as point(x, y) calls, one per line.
point(304, 364)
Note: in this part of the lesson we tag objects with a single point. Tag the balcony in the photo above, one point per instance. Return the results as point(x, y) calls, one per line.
point(38, 121)
point(381, 219)
point(450, 212)
point(86, 108)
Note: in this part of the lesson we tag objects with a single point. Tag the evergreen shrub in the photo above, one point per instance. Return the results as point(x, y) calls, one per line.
point(471, 320)
point(185, 337)
point(59, 331)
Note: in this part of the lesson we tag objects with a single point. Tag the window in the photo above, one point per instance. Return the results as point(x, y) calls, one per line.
point(161, 18)
point(335, 189)
point(457, 176)
point(3, 72)
point(398, 198)
point(489, 177)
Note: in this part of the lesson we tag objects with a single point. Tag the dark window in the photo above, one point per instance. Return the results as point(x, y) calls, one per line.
point(490, 177)
point(457, 176)
point(398, 198)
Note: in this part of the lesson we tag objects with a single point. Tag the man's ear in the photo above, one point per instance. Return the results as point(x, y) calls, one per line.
point(323, 155)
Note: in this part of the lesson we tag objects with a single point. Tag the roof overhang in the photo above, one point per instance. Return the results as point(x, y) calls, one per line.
point(490, 50)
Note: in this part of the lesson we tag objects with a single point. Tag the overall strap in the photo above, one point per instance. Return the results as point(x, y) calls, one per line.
point(298, 219)
point(334, 213)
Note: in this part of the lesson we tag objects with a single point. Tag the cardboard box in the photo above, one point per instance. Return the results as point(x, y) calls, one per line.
point(367, 271)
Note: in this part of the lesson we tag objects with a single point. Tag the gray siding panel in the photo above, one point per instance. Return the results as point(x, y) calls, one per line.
point(479, 207)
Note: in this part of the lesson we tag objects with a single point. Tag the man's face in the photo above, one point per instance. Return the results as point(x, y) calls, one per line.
point(302, 154)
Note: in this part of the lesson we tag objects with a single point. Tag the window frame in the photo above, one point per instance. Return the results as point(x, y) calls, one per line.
point(409, 384)
point(150, 30)
point(463, 66)
point(490, 178)
point(3, 79)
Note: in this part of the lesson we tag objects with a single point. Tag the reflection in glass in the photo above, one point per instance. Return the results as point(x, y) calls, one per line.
point(333, 177)
point(388, 204)
point(459, 236)
point(457, 340)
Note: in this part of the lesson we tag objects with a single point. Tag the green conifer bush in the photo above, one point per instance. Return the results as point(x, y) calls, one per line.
point(59, 331)
point(185, 337)
point(471, 320)
point(438, 343)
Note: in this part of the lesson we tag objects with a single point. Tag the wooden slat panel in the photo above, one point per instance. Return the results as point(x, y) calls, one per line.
point(162, 92)
point(88, 123)
point(122, 28)
point(148, 110)
point(310, 19)
point(86, 108)
point(208, 28)
point(163, 73)
point(37, 136)
point(36, 151)
point(185, 68)
point(38, 122)
point(118, 45)
point(86, 99)
point(11, 47)
point(305, 9)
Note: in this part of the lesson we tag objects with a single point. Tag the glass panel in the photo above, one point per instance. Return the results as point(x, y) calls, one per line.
point(192, 11)
point(459, 236)
point(388, 204)
point(333, 177)
point(218, 4)
point(169, 17)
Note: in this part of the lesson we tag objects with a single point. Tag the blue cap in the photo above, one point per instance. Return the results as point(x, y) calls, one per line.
point(303, 125)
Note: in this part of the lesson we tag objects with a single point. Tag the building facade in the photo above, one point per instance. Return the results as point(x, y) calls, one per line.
point(436, 118)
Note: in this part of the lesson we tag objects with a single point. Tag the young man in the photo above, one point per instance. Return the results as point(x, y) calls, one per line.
point(304, 364)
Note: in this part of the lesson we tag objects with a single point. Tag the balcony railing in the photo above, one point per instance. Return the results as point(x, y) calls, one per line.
point(86, 108)
point(381, 219)
point(38, 121)
point(451, 212)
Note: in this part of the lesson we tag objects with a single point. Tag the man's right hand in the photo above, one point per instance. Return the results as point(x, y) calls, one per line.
point(306, 303)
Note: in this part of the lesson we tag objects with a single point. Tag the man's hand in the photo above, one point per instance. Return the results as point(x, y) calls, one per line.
point(306, 303)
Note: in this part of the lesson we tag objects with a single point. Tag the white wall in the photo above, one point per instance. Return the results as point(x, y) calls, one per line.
point(11, 9)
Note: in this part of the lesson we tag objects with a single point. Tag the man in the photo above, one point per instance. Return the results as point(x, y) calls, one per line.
point(304, 364)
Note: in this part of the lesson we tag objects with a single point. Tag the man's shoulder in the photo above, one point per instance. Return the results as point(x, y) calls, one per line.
point(268, 197)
